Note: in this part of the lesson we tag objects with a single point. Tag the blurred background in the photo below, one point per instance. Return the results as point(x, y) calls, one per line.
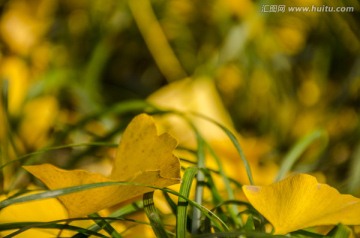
point(66, 67)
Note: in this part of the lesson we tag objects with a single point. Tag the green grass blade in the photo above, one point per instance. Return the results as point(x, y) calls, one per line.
point(131, 106)
point(235, 142)
point(218, 223)
point(231, 136)
point(305, 233)
point(153, 215)
point(6, 174)
point(200, 177)
point(105, 225)
point(340, 231)
point(216, 199)
point(58, 192)
point(232, 180)
point(124, 108)
point(52, 148)
point(24, 226)
point(64, 224)
point(200, 180)
point(67, 190)
point(119, 109)
point(181, 216)
point(354, 176)
point(294, 154)
point(127, 209)
point(233, 210)
point(123, 211)
point(171, 203)
point(252, 234)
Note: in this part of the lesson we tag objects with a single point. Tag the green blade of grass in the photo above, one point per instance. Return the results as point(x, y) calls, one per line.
point(216, 199)
point(253, 234)
point(6, 173)
point(200, 177)
point(120, 109)
point(234, 141)
point(32, 158)
point(153, 215)
point(200, 152)
point(67, 190)
point(309, 234)
point(340, 231)
point(218, 223)
point(354, 176)
point(231, 136)
point(170, 202)
point(232, 209)
point(232, 180)
point(201, 159)
point(294, 154)
point(127, 209)
point(117, 109)
point(64, 224)
point(59, 192)
point(123, 211)
point(200, 180)
point(106, 225)
point(181, 216)
point(8, 144)
point(24, 226)
point(109, 219)
point(52, 148)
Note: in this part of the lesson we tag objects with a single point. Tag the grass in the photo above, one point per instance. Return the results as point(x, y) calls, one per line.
point(284, 84)
point(219, 214)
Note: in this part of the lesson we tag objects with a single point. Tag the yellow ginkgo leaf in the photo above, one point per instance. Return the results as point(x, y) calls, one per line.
point(192, 95)
point(143, 158)
point(299, 202)
point(37, 211)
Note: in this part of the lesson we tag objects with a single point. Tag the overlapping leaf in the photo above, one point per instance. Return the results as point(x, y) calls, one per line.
point(143, 158)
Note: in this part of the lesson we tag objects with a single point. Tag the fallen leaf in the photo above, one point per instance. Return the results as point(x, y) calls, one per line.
point(192, 95)
point(34, 211)
point(143, 157)
point(200, 95)
point(299, 202)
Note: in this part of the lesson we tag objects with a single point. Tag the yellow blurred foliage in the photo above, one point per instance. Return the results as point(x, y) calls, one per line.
point(24, 24)
point(39, 116)
point(306, 121)
point(309, 93)
point(240, 8)
point(229, 80)
point(345, 121)
point(16, 72)
point(291, 37)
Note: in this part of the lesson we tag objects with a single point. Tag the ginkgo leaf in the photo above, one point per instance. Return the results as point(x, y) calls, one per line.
point(299, 202)
point(37, 211)
point(143, 158)
point(201, 96)
point(192, 95)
